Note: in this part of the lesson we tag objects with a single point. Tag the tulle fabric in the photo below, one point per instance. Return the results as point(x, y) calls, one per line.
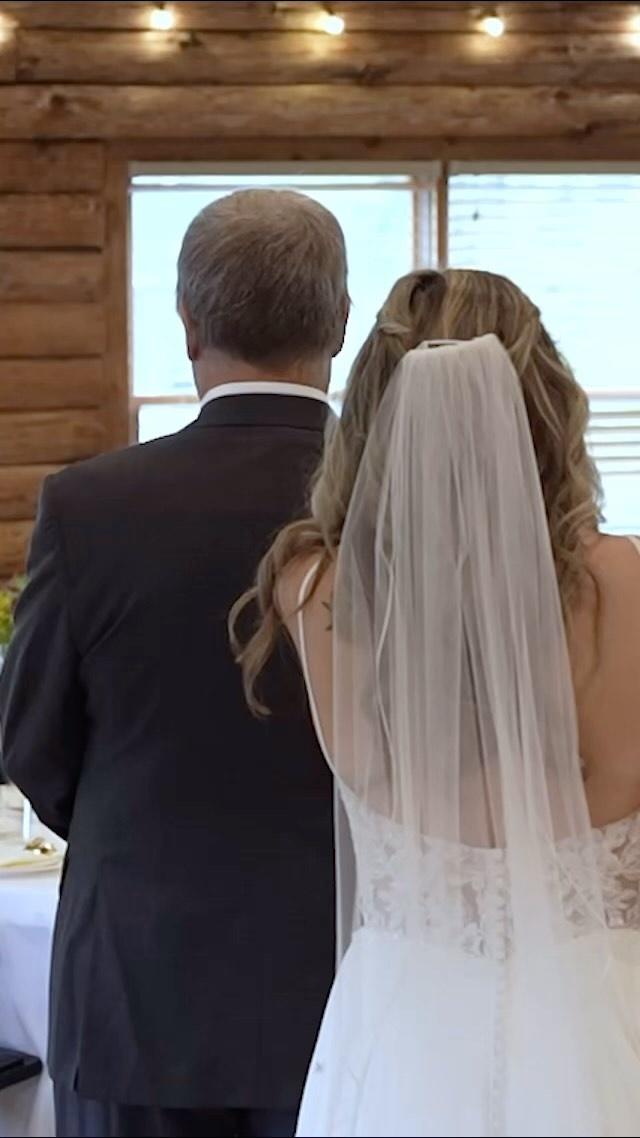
point(481, 990)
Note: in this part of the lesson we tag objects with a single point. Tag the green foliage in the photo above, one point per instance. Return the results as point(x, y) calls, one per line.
point(9, 594)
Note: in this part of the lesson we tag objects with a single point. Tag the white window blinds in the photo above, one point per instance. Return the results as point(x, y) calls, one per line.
point(572, 242)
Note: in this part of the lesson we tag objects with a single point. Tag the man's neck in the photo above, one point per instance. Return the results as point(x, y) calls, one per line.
point(218, 370)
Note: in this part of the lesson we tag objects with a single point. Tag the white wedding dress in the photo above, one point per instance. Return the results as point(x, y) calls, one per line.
point(411, 1067)
point(487, 989)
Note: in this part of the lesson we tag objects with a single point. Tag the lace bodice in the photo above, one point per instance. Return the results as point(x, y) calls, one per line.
point(479, 879)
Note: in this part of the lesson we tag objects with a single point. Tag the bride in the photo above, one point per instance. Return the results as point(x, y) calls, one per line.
point(453, 605)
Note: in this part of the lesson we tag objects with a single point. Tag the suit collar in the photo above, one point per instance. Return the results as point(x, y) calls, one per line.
point(264, 411)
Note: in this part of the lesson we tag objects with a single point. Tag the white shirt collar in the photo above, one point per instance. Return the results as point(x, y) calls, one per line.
point(264, 387)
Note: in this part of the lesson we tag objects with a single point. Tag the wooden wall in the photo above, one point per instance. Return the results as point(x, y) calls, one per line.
point(86, 88)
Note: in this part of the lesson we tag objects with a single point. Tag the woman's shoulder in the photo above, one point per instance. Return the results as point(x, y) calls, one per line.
point(614, 561)
point(607, 625)
point(605, 616)
point(606, 657)
point(306, 583)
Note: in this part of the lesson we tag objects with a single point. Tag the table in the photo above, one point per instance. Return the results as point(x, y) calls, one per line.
point(27, 912)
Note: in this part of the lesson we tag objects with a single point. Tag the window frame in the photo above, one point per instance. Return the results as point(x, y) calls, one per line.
point(431, 190)
point(425, 180)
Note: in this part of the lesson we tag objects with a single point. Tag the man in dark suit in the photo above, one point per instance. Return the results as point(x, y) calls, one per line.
point(194, 941)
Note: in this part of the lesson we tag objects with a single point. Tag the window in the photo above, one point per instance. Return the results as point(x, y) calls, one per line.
point(572, 241)
point(386, 218)
point(569, 238)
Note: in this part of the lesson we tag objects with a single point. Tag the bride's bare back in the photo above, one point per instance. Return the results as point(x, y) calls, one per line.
point(604, 645)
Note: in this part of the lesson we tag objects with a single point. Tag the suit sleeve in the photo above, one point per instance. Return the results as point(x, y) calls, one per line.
point(42, 703)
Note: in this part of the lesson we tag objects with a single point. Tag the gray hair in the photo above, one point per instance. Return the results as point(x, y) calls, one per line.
point(262, 275)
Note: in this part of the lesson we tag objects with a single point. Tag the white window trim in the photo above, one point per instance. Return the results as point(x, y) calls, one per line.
point(426, 239)
point(430, 234)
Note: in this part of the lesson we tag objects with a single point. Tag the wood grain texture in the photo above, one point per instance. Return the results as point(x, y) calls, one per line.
point(50, 276)
point(117, 360)
point(250, 16)
point(51, 221)
point(37, 330)
point(49, 384)
point(14, 544)
point(588, 146)
point(368, 58)
point(20, 490)
point(49, 437)
point(282, 112)
point(50, 167)
point(8, 54)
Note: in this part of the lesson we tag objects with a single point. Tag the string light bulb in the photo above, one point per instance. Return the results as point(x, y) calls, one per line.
point(6, 27)
point(162, 18)
point(493, 25)
point(330, 23)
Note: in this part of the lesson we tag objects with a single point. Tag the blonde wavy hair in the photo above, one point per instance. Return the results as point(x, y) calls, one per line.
point(457, 304)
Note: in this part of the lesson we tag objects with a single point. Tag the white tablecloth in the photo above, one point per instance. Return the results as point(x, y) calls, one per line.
point(27, 911)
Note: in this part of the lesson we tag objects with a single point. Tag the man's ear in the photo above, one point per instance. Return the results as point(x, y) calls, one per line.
point(344, 318)
point(194, 350)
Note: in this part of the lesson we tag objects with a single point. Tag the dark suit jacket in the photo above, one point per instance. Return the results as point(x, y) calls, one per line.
point(194, 942)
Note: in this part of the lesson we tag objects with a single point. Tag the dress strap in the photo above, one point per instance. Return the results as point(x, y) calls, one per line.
point(635, 541)
point(303, 597)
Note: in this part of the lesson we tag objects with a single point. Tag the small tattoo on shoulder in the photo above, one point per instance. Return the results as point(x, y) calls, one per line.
point(328, 605)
